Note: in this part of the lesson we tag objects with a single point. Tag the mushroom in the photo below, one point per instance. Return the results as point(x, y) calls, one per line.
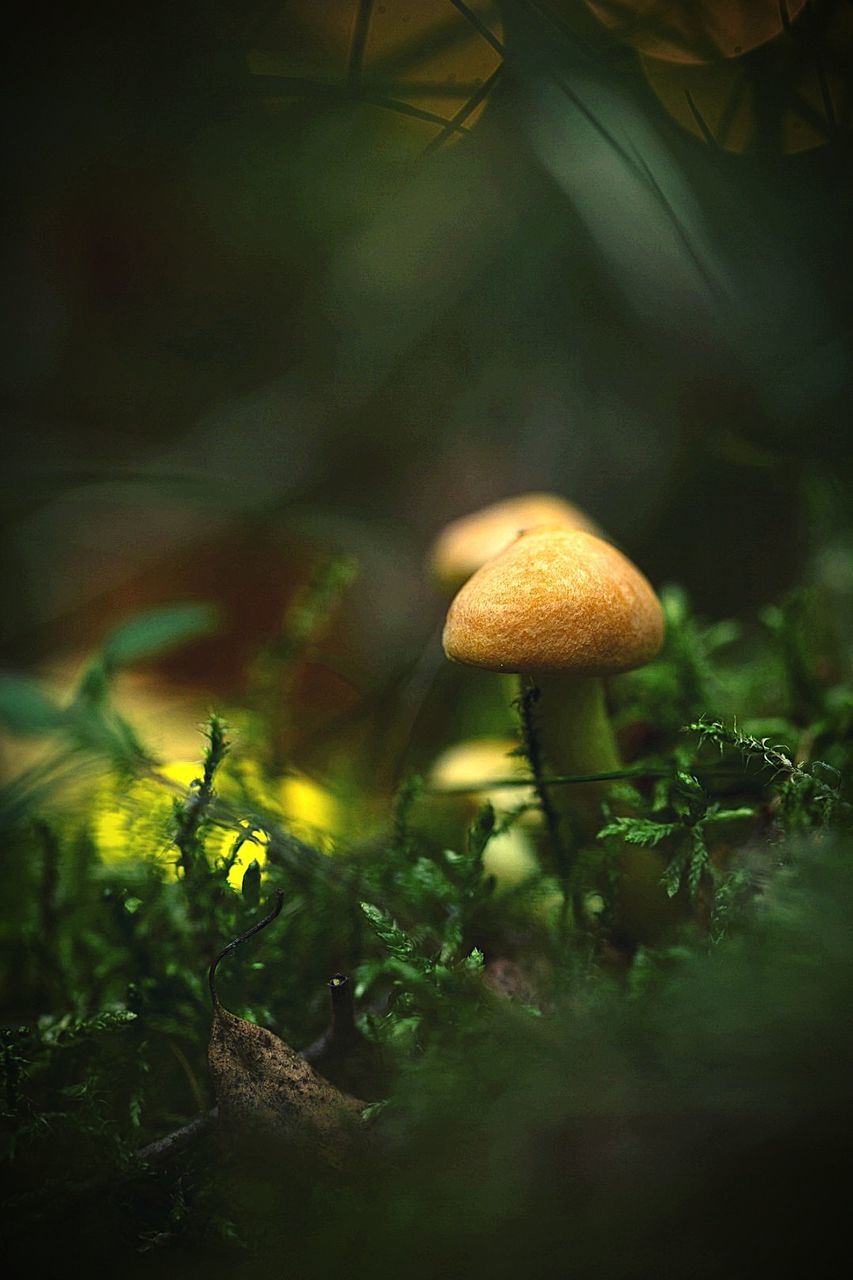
point(468, 767)
point(563, 608)
point(472, 766)
point(466, 544)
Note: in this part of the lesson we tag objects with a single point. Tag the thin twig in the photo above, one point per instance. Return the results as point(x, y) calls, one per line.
point(528, 698)
point(235, 942)
point(173, 1143)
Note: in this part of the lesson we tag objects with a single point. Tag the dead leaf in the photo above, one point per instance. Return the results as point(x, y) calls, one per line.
point(266, 1092)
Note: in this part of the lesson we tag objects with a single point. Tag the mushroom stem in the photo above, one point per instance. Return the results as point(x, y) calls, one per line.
point(575, 737)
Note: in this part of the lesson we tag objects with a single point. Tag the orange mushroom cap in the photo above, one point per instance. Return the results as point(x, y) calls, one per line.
point(556, 600)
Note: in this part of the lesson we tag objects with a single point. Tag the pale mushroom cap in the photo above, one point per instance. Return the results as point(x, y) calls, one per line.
point(477, 762)
point(556, 600)
point(466, 544)
point(510, 857)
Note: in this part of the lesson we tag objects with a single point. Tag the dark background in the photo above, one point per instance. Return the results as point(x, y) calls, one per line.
point(258, 317)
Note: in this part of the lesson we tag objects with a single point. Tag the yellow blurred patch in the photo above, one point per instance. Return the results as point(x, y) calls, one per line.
point(310, 810)
point(135, 821)
point(305, 806)
point(251, 846)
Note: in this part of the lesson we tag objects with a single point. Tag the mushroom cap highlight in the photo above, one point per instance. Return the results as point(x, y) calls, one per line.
point(556, 600)
point(478, 761)
point(467, 543)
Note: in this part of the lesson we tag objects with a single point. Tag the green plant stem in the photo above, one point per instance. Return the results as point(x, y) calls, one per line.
point(575, 737)
point(528, 697)
point(566, 731)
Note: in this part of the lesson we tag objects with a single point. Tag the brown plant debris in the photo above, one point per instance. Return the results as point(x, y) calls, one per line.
point(267, 1093)
point(343, 1054)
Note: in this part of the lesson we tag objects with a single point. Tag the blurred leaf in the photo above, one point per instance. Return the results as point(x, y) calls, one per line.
point(25, 708)
point(156, 631)
point(93, 689)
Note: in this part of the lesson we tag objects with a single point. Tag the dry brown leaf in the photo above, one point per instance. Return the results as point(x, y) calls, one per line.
point(267, 1093)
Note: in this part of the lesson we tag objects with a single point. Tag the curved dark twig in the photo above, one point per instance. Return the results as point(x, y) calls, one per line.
point(232, 946)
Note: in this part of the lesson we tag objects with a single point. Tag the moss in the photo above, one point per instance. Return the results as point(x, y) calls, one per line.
point(577, 1087)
